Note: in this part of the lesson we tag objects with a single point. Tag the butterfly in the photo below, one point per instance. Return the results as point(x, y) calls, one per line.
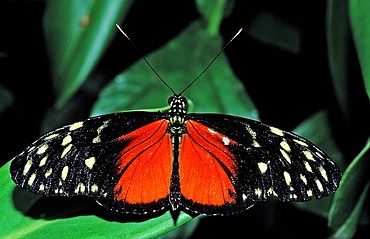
point(145, 162)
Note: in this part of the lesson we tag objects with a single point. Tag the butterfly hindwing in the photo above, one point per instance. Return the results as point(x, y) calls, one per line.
point(81, 159)
point(271, 161)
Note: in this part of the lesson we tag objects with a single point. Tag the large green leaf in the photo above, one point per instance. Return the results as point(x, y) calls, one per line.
point(20, 219)
point(178, 63)
point(77, 33)
point(360, 18)
point(338, 41)
point(351, 196)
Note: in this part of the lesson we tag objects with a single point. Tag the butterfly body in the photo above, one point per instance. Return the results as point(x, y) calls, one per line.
point(142, 162)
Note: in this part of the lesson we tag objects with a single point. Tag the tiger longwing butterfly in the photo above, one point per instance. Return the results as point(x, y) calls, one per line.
point(142, 162)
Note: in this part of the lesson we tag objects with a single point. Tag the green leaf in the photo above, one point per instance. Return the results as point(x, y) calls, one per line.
point(351, 196)
point(178, 63)
point(360, 18)
point(77, 33)
point(19, 220)
point(213, 11)
point(317, 129)
point(338, 41)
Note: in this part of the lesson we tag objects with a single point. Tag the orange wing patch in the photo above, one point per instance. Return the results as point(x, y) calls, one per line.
point(145, 165)
point(206, 166)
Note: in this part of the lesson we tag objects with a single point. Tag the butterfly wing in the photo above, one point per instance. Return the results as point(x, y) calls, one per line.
point(102, 157)
point(248, 162)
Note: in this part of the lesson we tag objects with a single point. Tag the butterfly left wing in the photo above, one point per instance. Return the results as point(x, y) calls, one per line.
point(254, 161)
point(85, 158)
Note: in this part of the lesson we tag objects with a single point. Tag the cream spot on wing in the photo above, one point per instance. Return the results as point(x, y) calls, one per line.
point(66, 150)
point(262, 167)
point(303, 178)
point(105, 124)
point(287, 178)
point(286, 156)
point(307, 166)
point(245, 197)
point(66, 140)
point(27, 167)
point(43, 161)
point(308, 155)
point(277, 131)
point(94, 188)
point(300, 142)
point(47, 174)
point(319, 185)
point(285, 146)
point(31, 179)
point(255, 144)
point(90, 162)
point(42, 149)
point(250, 131)
point(258, 192)
point(65, 173)
point(323, 173)
point(51, 136)
point(76, 125)
point(80, 188)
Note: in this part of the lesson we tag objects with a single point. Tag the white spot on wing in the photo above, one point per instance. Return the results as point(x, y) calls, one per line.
point(225, 140)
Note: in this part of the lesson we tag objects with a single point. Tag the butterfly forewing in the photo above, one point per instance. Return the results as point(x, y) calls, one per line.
point(272, 161)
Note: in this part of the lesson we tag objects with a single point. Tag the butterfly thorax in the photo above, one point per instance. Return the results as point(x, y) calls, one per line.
point(177, 114)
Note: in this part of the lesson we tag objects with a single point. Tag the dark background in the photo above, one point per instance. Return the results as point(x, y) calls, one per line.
point(286, 87)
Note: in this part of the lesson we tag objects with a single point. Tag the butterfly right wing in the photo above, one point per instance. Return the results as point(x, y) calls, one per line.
point(100, 157)
point(258, 161)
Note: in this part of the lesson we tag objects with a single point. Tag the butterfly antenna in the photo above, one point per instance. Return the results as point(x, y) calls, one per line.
point(211, 62)
point(146, 61)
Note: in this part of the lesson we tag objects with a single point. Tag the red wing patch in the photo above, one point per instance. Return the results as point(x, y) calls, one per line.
point(145, 164)
point(207, 168)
